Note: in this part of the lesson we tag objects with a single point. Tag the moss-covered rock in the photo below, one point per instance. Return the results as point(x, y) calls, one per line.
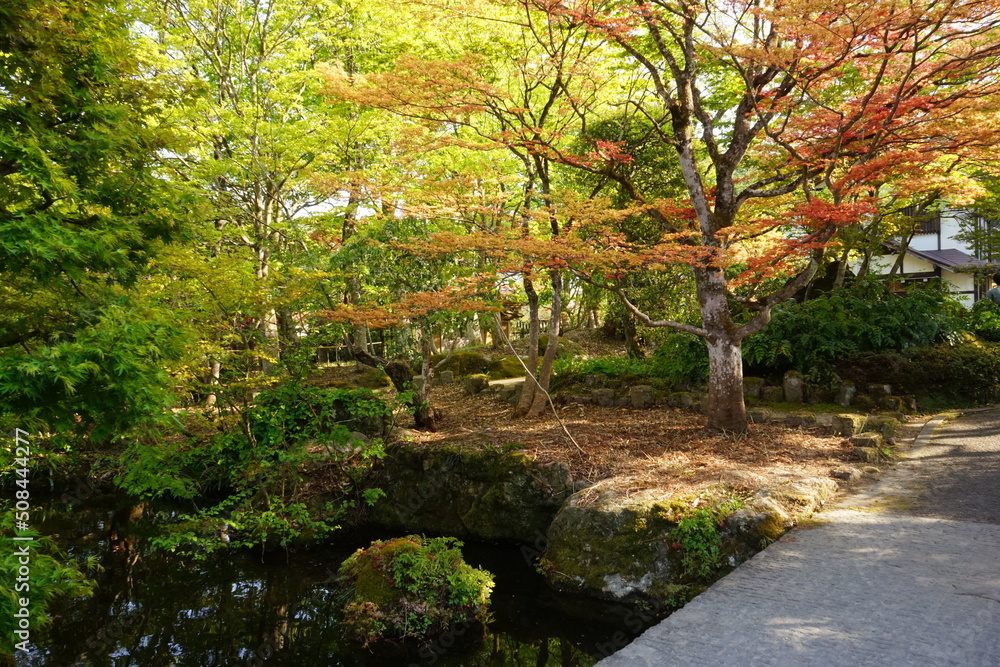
point(461, 363)
point(613, 543)
point(771, 512)
point(492, 494)
point(752, 387)
point(370, 378)
point(501, 368)
point(883, 424)
point(848, 424)
point(475, 384)
point(863, 402)
point(411, 587)
point(868, 439)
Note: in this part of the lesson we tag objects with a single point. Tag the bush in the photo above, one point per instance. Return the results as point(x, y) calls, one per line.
point(984, 320)
point(261, 463)
point(967, 373)
point(411, 587)
point(680, 360)
point(810, 336)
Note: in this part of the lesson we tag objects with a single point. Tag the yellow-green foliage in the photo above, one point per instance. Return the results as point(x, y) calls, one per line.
point(411, 587)
point(505, 367)
point(461, 362)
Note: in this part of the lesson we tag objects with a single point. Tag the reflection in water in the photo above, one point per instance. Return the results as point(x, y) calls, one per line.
point(240, 608)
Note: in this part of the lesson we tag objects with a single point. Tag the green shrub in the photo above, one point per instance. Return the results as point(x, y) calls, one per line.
point(260, 463)
point(698, 536)
point(810, 336)
point(411, 587)
point(984, 320)
point(52, 575)
point(966, 373)
point(680, 360)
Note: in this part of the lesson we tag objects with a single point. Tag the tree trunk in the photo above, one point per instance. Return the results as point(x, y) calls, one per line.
point(866, 263)
point(631, 333)
point(528, 393)
point(424, 416)
point(842, 268)
point(897, 266)
point(726, 409)
point(214, 372)
point(360, 336)
point(544, 375)
point(286, 327)
point(499, 336)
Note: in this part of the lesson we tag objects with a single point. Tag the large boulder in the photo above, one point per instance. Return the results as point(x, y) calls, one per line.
point(614, 543)
point(491, 494)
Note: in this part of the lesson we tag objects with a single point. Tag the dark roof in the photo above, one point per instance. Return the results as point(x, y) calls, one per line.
point(951, 259)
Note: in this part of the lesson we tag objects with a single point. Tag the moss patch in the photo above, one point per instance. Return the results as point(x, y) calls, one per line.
point(647, 545)
point(505, 367)
point(461, 363)
point(411, 587)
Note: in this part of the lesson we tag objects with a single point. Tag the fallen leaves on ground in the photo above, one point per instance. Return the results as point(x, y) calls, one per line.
point(660, 447)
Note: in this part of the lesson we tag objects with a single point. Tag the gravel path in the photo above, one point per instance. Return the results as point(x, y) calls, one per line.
point(906, 573)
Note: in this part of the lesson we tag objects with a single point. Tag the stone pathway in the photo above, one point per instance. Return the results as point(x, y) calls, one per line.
point(906, 573)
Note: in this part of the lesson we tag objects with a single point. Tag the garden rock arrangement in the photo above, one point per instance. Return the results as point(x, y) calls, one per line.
point(872, 436)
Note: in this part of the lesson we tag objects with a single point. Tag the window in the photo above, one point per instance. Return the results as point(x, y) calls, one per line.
point(927, 222)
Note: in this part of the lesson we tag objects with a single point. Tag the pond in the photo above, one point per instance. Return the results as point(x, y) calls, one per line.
point(281, 608)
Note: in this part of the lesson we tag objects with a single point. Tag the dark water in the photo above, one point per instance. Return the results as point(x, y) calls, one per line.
point(239, 608)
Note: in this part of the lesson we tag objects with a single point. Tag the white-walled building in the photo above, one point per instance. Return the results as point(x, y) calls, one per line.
point(935, 251)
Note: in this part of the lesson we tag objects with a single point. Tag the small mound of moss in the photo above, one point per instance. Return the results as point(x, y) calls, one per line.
point(505, 367)
point(460, 362)
point(371, 378)
point(411, 587)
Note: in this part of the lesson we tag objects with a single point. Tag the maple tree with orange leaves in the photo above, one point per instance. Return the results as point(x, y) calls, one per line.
point(791, 122)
